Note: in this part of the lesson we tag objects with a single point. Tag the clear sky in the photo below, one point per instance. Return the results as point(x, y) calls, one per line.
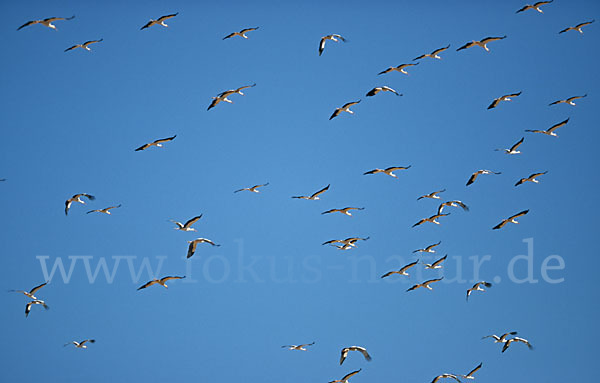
point(71, 122)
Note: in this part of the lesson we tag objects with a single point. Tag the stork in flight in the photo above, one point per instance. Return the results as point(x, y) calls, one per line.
point(455, 203)
point(31, 292)
point(399, 68)
point(535, 6)
point(432, 195)
point(481, 43)
point(360, 349)
point(223, 95)
point(81, 344)
point(188, 225)
point(84, 45)
point(512, 149)
point(425, 284)
point(388, 171)
point(314, 196)
point(345, 210)
point(46, 22)
point(195, 242)
point(158, 143)
point(432, 219)
point(477, 173)
point(159, 281)
point(516, 339)
point(477, 287)
point(470, 374)
point(506, 97)
point(105, 210)
point(241, 33)
point(384, 88)
point(344, 108)
point(333, 37)
point(577, 27)
point(445, 376)
point(348, 241)
point(253, 189)
point(428, 249)
point(346, 377)
point(159, 21)
point(299, 347)
point(34, 302)
point(402, 271)
point(433, 55)
point(511, 219)
point(77, 198)
point(436, 264)
point(550, 131)
point(531, 178)
point(501, 338)
point(568, 101)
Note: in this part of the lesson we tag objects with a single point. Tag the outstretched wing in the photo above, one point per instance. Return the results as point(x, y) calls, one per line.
point(163, 18)
point(320, 191)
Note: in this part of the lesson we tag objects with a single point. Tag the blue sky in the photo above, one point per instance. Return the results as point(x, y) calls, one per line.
point(72, 121)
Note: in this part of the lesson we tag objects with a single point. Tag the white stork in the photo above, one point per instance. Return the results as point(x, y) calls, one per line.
point(241, 33)
point(345, 210)
point(77, 198)
point(506, 97)
point(432, 195)
point(81, 344)
point(31, 292)
point(428, 249)
point(432, 219)
point(399, 68)
point(158, 143)
point(516, 339)
point(188, 225)
point(433, 55)
point(477, 287)
point(84, 45)
point(425, 284)
point(481, 43)
point(223, 95)
point(531, 178)
point(568, 101)
point(402, 271)
point(46, 22)
point(477, 173)
point(105, 210)
point(160, 281)
point(333, 37)
point(159, 21)
point(389, 171)
point(299, 347)
point(454, 203)
point(195, 242)
point(344, 108)
point(550, 131)
point(511, 219)
point(512, 149)
point(384, 88)
point(253, 189)
point(314, 196)
point(577, 27)
point(535, 6)
point(346, 377)
point(360, 349)
point(436, 264)
point(34, 302)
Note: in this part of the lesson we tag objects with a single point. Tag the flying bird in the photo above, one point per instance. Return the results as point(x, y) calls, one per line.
point(159, 281)
point(482, 43)
point(444, 376)
point(477, 173)
point(188, 225)
point(506, 97)
point(315, 196)
point(432, 195)
point(577, 27)
point(348, 241)
point(513, 149)
point(345, 378)
point(535, 6)
point(402, 271)
point(77, 198)
point(511, 219)
point(195, 242)
point(84, 45)
point(384, 88)
point(157, 143)
point(531, 178)
point(436, 264)
point(34, 302)
point(399, 68)
point(223, 95)
point(253, 189)
point(300, 347)
point(428, 249)
point(477, 287)
point(81, 344)
point(388, 171)
point(425, 284)
point(568, 100)
point(105, 210)
point(434, 54)
point(516, 339)
point(455, 203)
point(550, 131)
point(333, 37)
point(362, 350)
point(31, 292)
point(344, 108)
point(345, 210)
point(160, 21)
point(470, 374)
point(432, 219)
point(241, 33)
point(501, 338)
point(46, 22)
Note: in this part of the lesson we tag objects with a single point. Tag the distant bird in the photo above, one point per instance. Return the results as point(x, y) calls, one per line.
point(157, 143)
point(253, 189)
point(501, 338)
point(333, 37)
point(531, 178)
point(477, 173)
point(300, 347)
point(482, 43)
point(384, 88)
point(550, 131)
point(433, 195)
point(348, 241)
point(34, 302)
point(241, 33)
point(436, 264)
point(345, 210)
point(344, 108)
point(315, 196)
point(432, 219)
point(470, 374)
point(345, 378)
point(516, 339)
point(577, 27)
point(344, 246)
point(84, 45)
point(195, 242)
point(511, 219)
point(477, 287)
point(46, 22)
point(455, 203)
point(433, 55)
point(428, 249)
point(399, 68)
point(388, 171)
point(535, 6)
point(512, 149)
point(402, 271)
point(77, 198)
point(506, 97)
point(81, 344)
point(105, 210)
point(360, 349)
point(425, 284)
point(568, 100)
point(223, 95)
point(159, 281)
point(188, 225)
point(30, 292)
point(160, 21)
point(444, 376)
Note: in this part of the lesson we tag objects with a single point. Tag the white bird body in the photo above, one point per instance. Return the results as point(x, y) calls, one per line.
point(81, 344)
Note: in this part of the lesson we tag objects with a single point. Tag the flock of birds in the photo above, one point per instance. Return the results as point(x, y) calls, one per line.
point(506, 339)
